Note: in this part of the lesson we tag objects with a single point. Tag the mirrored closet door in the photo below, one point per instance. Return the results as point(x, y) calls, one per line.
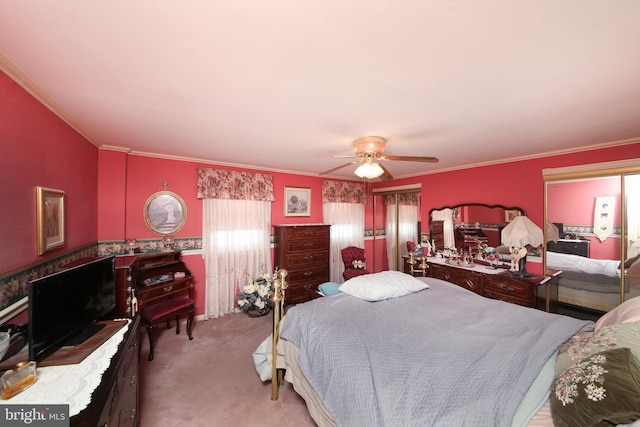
point(399, 208)
point(592, 233)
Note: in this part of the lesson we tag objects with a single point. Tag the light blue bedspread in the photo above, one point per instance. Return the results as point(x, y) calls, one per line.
point(443, 356)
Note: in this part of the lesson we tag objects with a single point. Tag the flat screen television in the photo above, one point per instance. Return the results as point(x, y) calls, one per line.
point(65, 306)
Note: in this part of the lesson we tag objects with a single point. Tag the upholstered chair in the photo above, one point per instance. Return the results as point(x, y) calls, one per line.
point(354, 259)
point(410, 246)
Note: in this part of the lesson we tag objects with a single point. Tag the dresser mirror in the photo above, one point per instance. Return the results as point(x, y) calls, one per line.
point(462, 226)
point(592, 233)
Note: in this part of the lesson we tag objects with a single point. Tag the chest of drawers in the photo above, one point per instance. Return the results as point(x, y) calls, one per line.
point(496, 285)
point(303, 250)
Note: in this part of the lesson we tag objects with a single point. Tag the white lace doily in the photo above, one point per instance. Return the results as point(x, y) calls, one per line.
point(72, 384)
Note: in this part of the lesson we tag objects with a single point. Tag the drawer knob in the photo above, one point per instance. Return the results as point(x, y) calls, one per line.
point(133, 380)
point(307, 244)
point(168, 288)
point(308, 273)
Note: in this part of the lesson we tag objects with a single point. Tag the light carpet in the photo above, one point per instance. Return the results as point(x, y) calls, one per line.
point(211, 380)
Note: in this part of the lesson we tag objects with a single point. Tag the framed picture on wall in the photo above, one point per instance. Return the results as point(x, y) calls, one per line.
point(510, 214)
point(50, 219)
point(165, 212)
point(297, 201)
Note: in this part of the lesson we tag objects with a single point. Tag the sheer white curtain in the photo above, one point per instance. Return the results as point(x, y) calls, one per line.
point(235, 242)
point(347, 229)
point(445, 215)
point(407, 217)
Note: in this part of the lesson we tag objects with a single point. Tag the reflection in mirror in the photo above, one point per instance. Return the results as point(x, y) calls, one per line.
point(632, 190)
point(591, 240)
point(402, 212)
point(465, 225)
point(397, 211)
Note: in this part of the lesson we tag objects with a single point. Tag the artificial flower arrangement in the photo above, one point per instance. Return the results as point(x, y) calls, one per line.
point(255, 294)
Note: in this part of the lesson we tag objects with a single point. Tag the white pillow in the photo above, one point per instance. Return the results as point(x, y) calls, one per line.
point(381, 286)
point(628, 311)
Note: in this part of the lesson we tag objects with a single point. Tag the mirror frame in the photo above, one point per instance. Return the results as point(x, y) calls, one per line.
point(485, 205)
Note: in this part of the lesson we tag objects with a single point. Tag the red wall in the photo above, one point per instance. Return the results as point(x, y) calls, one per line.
point(39, 149)
point(574, 204)
point(106, 190)
point(510, 184)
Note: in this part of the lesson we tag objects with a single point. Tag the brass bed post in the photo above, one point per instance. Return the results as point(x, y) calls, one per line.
point(278, 299)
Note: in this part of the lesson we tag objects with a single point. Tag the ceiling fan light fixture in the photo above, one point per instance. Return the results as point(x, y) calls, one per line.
point(369, 169)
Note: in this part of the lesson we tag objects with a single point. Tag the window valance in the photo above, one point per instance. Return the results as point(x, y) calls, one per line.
point(234, 185)
point(410, 199)
point(343, 192)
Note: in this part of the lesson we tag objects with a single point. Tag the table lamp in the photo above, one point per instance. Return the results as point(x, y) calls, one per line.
point(519, 233)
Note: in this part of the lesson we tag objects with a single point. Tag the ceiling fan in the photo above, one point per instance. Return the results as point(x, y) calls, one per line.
point(369, 149)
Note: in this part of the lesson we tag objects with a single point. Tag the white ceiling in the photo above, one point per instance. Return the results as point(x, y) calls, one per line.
point(286, 84)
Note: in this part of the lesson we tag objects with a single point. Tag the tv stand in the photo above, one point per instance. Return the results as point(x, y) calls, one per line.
point(84, 334)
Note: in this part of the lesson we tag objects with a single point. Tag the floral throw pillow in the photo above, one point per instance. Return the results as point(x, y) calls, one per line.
point(357, 263)
point(602, 389)
point(585, 344)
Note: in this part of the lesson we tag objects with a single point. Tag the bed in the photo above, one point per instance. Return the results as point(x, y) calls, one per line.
point(391, 349)
point(592, 283)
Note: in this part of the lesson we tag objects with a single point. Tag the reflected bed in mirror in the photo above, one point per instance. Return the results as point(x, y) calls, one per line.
point(465, 225)
point(591, 235)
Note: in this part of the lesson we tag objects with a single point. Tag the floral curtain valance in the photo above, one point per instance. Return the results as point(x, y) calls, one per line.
point(343, 192)
point(410, 199)
point(234, 185)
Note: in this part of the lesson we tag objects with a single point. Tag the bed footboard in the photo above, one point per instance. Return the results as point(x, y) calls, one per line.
point(278, 298)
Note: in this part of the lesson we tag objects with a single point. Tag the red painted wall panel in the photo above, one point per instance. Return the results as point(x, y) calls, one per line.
point(39, 149)
point(112, 176)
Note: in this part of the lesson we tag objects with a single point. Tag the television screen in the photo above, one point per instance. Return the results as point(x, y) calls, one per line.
point(64, 304)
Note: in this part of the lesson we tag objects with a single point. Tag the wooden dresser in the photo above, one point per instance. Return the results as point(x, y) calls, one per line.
point(152, 276)
point(115, 401)
point(497, 284)
point(303, 250)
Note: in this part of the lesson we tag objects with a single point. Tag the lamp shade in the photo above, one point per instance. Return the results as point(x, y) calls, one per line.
point(369, 169)
point(521, 231)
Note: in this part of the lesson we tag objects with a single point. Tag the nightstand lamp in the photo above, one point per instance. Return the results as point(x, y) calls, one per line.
point(519, 233)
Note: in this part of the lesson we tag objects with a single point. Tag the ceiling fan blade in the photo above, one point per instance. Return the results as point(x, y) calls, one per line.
point(412, 158)
point(336, 168)
point(386, 176)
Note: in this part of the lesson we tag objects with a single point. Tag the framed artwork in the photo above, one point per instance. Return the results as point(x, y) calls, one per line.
point(509, 215)
point(50, 219)
point(165, 212)
point(297, 201)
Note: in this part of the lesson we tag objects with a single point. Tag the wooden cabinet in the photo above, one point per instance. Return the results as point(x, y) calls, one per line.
point(507, 288)
point(575, 247)
point(467, 279)
point(303, 250)
point(437, 234)
point(497, 285)
point(115, 401)
point(468, 238)
point(152, 276)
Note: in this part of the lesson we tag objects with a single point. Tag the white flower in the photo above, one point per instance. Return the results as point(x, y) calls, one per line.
point(264, 291)
point(260, 304)
point(242, 302)
point(250, 288)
